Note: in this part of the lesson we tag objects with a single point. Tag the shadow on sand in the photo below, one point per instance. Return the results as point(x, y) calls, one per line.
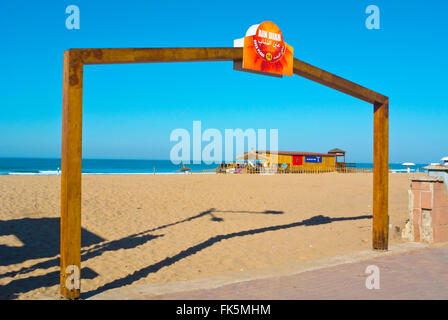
point(40, 238)
point(144, 272)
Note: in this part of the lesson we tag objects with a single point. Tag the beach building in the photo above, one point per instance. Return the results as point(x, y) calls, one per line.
point(300, 159)
point(340, 162)
point(266, 161)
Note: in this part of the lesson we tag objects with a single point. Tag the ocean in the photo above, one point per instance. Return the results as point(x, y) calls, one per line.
point(40, 166)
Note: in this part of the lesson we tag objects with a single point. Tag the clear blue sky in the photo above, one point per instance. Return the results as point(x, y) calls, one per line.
point(130, 110)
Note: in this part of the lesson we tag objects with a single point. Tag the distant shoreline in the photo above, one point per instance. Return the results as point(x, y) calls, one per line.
point(157, 173)
point(50, 166)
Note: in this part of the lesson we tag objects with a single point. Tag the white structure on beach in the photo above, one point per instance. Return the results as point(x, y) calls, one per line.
point(408, 164)
point(445, 161)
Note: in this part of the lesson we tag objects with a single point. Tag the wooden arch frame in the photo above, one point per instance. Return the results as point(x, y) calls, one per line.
point(74, 61)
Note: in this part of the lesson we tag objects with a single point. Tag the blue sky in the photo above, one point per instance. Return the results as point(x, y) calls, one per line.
point(130, 110)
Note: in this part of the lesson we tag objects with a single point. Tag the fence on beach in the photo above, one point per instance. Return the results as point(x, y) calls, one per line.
point(234, 169)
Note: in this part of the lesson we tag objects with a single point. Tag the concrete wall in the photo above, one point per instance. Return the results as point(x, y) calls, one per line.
point(428, 210)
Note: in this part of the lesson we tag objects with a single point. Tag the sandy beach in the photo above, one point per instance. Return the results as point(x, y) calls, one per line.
point(142, 229)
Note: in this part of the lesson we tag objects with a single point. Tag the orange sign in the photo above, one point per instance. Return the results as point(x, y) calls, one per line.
point(266, 51)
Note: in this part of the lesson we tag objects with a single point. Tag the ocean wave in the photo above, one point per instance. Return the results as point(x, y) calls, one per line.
point(406, 170)
point(141, 173)
point(33, 173)
point(49, 172)
point(23, 173)
point(54, 173)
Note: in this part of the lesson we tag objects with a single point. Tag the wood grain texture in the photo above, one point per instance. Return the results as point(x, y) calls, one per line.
point(71, 169)
point(71, 156)
point(380, 230)
point(154, 55)
point(313, 73)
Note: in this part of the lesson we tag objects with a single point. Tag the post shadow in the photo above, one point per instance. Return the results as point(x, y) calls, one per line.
point(144, 272)
point(45, 231)
point(15, 287)
point(41, 240)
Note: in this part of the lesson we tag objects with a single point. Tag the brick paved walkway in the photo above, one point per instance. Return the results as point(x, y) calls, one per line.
point(418, 274)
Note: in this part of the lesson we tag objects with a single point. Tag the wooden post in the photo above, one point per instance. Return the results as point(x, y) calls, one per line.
point(380, 231)
point(71, 176)
point(74, 59)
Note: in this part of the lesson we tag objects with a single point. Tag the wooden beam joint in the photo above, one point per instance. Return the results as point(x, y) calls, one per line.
point(71, 156)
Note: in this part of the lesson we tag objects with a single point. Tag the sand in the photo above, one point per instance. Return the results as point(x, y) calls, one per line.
point(144, 229)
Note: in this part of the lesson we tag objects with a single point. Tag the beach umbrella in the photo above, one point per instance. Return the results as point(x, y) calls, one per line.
point(408, 164)
point(252, 155)
point(184, 168)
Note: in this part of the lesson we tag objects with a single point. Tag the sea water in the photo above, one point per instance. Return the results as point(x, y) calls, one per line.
point(40, 166)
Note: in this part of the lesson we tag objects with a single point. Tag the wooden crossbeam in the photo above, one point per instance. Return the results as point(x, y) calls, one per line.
point(328, 79)
point(75, 59)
